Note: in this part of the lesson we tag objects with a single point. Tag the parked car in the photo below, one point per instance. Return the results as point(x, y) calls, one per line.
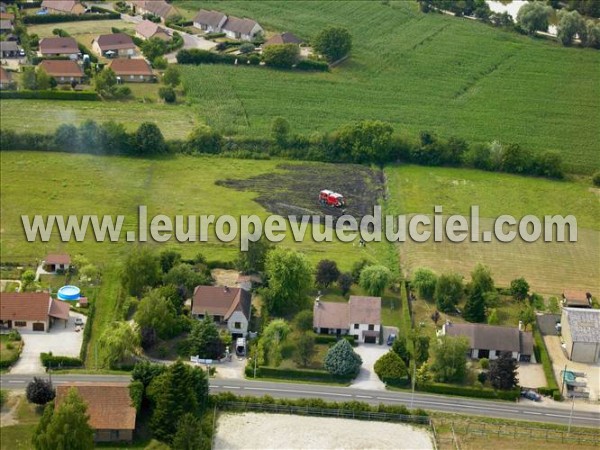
point(391, 338)
point(532, 395)
point(78, 321)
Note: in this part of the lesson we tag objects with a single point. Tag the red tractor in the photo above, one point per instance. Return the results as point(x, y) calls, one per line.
point(330, 198)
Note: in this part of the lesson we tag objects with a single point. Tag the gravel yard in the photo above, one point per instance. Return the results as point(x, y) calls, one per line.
point(278, 431)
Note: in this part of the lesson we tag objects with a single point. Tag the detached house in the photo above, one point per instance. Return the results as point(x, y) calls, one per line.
point(158, 8)
point(113, 44)
point(63, 7)
point(5, 79)
point(228, 307)
point(132, 70)
point(6, 26)
point(147, 30)
point(233, 27)
point(283, 38)
point(109, 406)
point(56, 261)
point(360, 317)
point(32, 311)
point(63, 72)
point(59, 46)
point(576, 299)
point(489, 341)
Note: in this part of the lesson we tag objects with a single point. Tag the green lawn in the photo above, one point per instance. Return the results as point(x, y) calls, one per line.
point(548, 267)
point(95, 27)
point(68, 184)
point(8, 349)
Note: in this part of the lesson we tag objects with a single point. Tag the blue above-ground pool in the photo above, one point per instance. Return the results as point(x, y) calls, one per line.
point(69, 293)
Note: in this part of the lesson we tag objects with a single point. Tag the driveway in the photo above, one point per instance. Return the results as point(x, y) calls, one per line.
point(231, 370)
point(531, 375)
point(560, 360)
point(367, 378)
point(59, 340)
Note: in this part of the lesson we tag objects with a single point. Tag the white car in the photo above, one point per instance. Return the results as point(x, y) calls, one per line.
point(79, 321)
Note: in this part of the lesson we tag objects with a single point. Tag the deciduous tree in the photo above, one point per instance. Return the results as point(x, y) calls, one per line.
point(281, 56)
point(448, 292)
point(118, 342)
point(424, 281)
point(534, 16)
point(333, 43)
point(253, 260)
point(156, 312)
point(205, 340)
point(503, 372)
point(305, 348)
point(148, 140)
point(141, 271)
point(172, 76)
point(327, 272)
point(345, 281)
point(375, 279)
point(519, 289)
point(40, 391)
point(449, 359)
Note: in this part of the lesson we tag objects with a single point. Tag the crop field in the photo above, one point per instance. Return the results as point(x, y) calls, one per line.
point(452, 76)
point(548, 267)
point(66, 184)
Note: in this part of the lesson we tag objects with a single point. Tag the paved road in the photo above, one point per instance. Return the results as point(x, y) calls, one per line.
point(520, 411)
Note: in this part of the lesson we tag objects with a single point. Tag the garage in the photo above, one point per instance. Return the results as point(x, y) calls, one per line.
point(38, 326)
point(370, 336)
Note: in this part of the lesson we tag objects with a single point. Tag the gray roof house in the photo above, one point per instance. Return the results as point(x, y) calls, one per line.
point(210, 21)
point(241, 29)
point(9, 49)
point(489, 341)
point(580, 329)
point(283, 38)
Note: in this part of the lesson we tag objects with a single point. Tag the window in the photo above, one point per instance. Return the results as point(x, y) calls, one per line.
point(371, 327)
point(237, 325)
point(356, 326)
point(20, 323)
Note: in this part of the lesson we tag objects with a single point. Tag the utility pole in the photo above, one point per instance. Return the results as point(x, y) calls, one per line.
point(412, 397)
point(571, 415)
point(562, 385)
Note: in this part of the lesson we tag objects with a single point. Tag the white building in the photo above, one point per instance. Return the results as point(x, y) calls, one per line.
point(580, 329)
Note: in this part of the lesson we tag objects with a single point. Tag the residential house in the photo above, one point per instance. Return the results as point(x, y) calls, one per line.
point(580, 330)
point(7, 16)
point(32, 311)
point(229, 307)
point(109, 407)
point(115, 44)
point(489, 341)
point(360, 317)
point(210, 21)
point(9, 49)
point(283, 38)
point(63, 7)
point(5, 79)
point(6, 26)
point(241, 29)
point(63, 71)
point(56, 261)
point(132, 70)
point(577, 299)
point(147, 30)
point(59, 46)
point(158, 8)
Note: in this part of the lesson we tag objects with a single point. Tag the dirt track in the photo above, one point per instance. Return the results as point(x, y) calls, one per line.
point(295, 191)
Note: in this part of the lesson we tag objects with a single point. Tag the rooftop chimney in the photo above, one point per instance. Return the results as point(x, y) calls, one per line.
point(520, 325)
point(226, 288)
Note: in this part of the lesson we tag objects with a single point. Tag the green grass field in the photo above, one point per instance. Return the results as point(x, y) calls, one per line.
point(65, 184)
point(421, 72)
point(548, 267)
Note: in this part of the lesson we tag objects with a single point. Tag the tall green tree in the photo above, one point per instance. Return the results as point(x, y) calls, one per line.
point(105, 81)
point(527, 316)
point(189, 434)
point(375, 279)
point(424, 281)
point(118, 342)
point(269, 345)
point(149, 140)
point(571, 23)
point(344, 282)
point(204, 339)
point(400, 348)
point(172, 76)
point(368, 141)
point(519, 289)
point(153, 48)
point(289, 276)
point(449, 359)
point(180, 390)
point(155, 311)
point(280, 130)
point(305, 348)
point(65, 428)
point(327, 272)
point(503, 372)
point(141, 271)
point(333, 43)
point(253, 260)
point(281, 56)
point(448, 292)
point(342, 360)
point(534, 16)
point(481, 284)
point(169, 259)
point(184, 277)
point(28, 78)
point(44, 81)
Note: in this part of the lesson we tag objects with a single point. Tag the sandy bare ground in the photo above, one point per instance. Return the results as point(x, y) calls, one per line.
point(225, 277)
point(278, 431)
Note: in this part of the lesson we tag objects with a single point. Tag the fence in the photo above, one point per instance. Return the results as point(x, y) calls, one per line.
point(322, 412)
point(521, 432)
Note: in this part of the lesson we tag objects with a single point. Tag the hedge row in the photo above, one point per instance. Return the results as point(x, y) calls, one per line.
point(87, 330)
point(196, 56)
point(295, 374)
point(50, 95)
point(332, 339)
point(542, 353)
point(466, 391)
point(59, 362)
point(311, 64)
point(6, 363)
point(57, 18)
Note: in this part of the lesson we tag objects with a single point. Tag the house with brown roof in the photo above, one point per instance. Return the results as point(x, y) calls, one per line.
point(489, 341)
point(109, 407)
point(32, 311)
point(283, 38)
point(63, 71)
point(56, 261)
point(5, 79)
point(209, 21)
point(241, 29)
point(132, 70)
point(63, 7)
point(227, 306)
point(158, 8)
point(147, 30)
point(7, 16)
point(576, 299)
point(360, 317)
point(115, 44)
point(59, 46)
point(6, 26)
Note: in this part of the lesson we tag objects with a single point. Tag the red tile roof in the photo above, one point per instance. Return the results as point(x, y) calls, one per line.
point(32, 306)
point(59, 309)
point(123, 67)
point(58, 45)
point(115, 41)
point(57, 258)
point(109, 404)
point(61, 68)
point(221, 301)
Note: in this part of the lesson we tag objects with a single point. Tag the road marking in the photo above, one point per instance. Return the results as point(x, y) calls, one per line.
point(231, 387)
point(295, 391)
point(531, 412)
point(16, 381)
point(363, 396)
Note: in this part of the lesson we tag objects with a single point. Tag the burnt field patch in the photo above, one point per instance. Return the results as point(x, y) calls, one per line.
point(294, 189)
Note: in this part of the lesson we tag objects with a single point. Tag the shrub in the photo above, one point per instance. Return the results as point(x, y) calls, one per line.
point(596, 179)
point(49, 95)
point(295, 374)
point(40, 391)
point(57, 18)
point(214, 35)
point(59, 362)
point(167, 93)
point(329, 339)
point(467, 391)
point(391, 369)
point(281, 56)
point(247, 47)
point(312, 65)
point(203, 139)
